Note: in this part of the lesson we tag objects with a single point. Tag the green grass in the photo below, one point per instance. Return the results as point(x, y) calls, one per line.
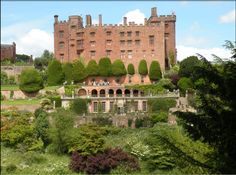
point(9, 87)
point(21, 102)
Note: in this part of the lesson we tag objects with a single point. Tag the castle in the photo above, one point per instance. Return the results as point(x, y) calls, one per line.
point(8, 51)
point(153, 40)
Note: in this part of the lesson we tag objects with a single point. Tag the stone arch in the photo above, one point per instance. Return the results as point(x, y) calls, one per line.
point(127, 92)
point(82, 92)
point(94, 93)
point(135, 93)
point(111, 92)
point(119, 93)
point(102, 93)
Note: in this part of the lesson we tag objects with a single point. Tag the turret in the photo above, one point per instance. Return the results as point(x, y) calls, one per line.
point(55, 18)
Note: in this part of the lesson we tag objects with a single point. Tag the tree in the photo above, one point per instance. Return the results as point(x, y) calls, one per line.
point(118, 68)
point(79, 106)
point(55, 74)
point(68, 72)
point(172, 58)
point(185, 84)
point(142, 68)
point(79, 71)
point(23, 57)
point(30, 81)
point(92, 68)
point(215, 122)
point(42, 62)
point(155, 71)
point(105, 67)
point(188, 65)
point(131, 69)
point(4, 78)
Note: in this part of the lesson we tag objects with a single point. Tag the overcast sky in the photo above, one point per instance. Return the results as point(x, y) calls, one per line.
point(201, 27)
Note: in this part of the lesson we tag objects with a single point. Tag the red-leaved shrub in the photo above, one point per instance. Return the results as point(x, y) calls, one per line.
point(103, 162)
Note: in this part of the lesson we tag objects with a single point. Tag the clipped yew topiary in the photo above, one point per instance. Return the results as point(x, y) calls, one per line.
point(142, 68)
point(130, 69)
point(67, 70)
point(92, 68)
point(30, 81)
point(105, 67)
point(155, 71)
point(79, 71)
point(55, 74)
point(118, 68)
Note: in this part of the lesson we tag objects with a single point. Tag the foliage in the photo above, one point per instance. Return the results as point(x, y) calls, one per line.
point(11, 168)
point(43, 61)
point(184, 84)
point(78, 71)
point(215, 121)
point(11, 94)
point(54, 73)
point(188, 65)
point(69, 90)
point(57, 100)
point(167, 84)
point(46, 104)
point(92, 68)
point(159, 117)
point(130, 121)
point(4, 78)
point(158, 105)
point(172, 58)
point(105, 67)
point(103, 162)
point(142, 122)
point(155, 71)
point(142, 68)
point(11, 80)
point(130, 69)
point(79, 106)
point(30, 81)
point(118, 68)
point(2, 97)
point(23, 58)
point(153, 89)
point(67, 71)
point(102, 121)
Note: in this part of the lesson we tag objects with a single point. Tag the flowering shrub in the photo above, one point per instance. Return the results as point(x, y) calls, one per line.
point(103, 162)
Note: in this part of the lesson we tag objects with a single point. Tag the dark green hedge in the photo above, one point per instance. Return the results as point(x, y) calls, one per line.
point(79, 106)
point(57, 99)
point(142, 68)
point(162, 104)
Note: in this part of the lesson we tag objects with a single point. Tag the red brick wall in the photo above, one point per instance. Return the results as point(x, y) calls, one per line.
point(8, 52)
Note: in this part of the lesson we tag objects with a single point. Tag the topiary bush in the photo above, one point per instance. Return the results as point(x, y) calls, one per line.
point(68, 72)
point(130, 69)
point(78, 71)
point(142, 68)
point(105, 67)
point(92, 68)
point(118, 68)
point(155, 71)
point(79, 106)
point(55, 73)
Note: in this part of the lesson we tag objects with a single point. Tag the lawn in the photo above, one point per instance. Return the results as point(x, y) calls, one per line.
point(21, 102)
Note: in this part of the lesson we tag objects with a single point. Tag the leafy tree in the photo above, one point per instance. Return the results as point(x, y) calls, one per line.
point(30, 81)
point(105, 67)
point(55, 74)
point(188, 65)
point(172, 58)
point(118, 68)
point(142, 68)
point(42, 62)
point(68, 72)
point(79, 106)
point(23, 57)
point(79, 71)
point(92, 68)
point(155, 71)
point(215, 122)
point(158, 105)
point(185, 84)
point(131, 69)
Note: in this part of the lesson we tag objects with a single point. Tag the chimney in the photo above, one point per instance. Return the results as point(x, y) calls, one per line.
point(125, 21)
point(56, 18)
point(100, 20)
point(88, 20)
point(145, 21)
point(154, 11)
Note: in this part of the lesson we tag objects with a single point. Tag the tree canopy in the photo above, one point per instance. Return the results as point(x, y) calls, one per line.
point(118, 68)
point(142, 68)
point(92, 68)
point(105, 67)
point(155, 71)
point(79, 71)
point(67, 71)
point(130, 69)
point(188, 65)
point(55, 74)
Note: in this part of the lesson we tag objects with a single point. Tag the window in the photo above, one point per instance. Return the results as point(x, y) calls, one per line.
point(95, 106)
point(144, 106)
point(152, 53)
point(108, 42)
point(73, 27)
point(144, 53)
point(80, 43)
point(122, 34)
point(129, 54)
point(92, 53)
point(80, 34)
point(137, 42)
point(61, 45)
point(129, 42)
point(108, 33)
point(92, 43)
point(122, 42)
point(136, 105)
point(61, 34)
point(137, 33)
point(122, 54)
point(151, 39)
point(111, 106)
point(103, 106)
point(61, 57)
point(129, 34)
point(166, 25)
point(166, 35)
point(108, 52)
point(92, 34)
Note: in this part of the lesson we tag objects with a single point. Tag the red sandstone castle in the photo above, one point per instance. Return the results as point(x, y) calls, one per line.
point(153, 40)
point(8, 51)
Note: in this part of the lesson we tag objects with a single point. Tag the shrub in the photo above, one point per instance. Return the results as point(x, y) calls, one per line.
point(11, 168)
point(157, 105)
point(2, 97)
point(185, 84)
point(103, 162)
point(33, 157)
point(92, 68)
point(159, 117)
point(79, 106)
point(142, 68)
point(57, 100)
point(118, 68)
point(102, 121)
point(11, 94)
point(130, 121)
point(188, 66)
point(30, 81)
point(167, 84)
point(67, 70)
point(131, 70)
point(11, 80)
point(4, 78)
point(155, 71)
point(69, 89)
point(46, 104)
point(78, 71)
point(105, 67)
point(55, 74)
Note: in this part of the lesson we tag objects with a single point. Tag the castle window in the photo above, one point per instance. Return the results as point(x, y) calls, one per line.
point(166, 35)
point(122, 42)
point(108, 42)
point(144, 106)
point(152, 53)
point(136, 105)
point(73, 27)
point(61, 34)
point(122, 34)
point(129, 54)
point(122, 54)
point(92, 53)
point(129, 34)
point(92, 34)
point(103, 106)
point(108, 52)
point(111, 105)
point(137, 42)
point(80, 43)
point(151, 39)
point(92, 43)
point(108, 33)
point(61, 45)
point(166, 25)
point(137, 33)
point(129, 42)
point(80, 34)
point(95, 106)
